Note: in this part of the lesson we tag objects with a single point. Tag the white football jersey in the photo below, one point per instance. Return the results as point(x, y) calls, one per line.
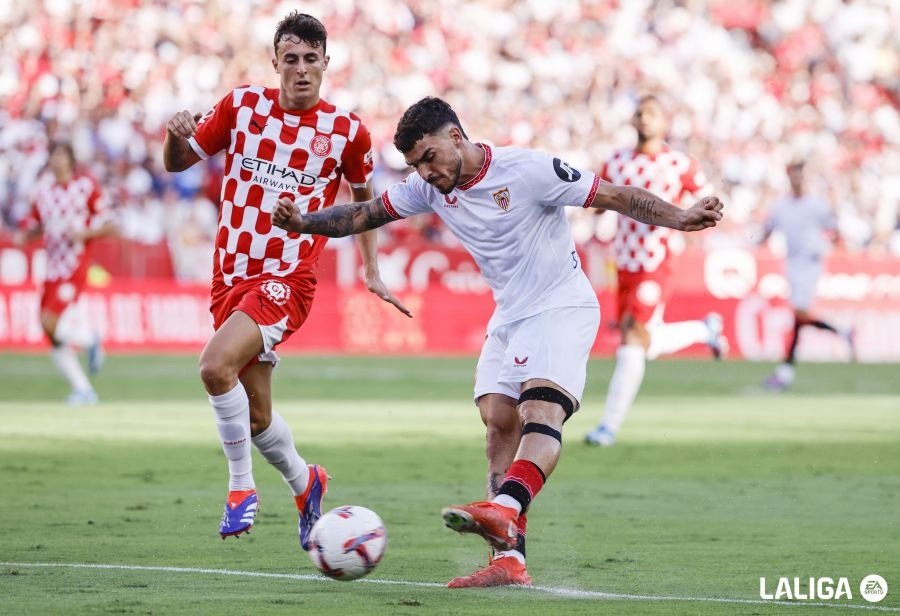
point(509, 217)
point(803, 221)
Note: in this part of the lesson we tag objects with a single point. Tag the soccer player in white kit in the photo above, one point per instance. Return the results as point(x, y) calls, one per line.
point(505, 206)
point(805, 222)
point(644, 265)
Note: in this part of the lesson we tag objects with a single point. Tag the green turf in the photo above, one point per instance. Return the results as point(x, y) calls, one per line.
point(712, 485)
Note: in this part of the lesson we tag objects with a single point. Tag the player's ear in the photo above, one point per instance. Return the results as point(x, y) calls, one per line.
point(325, 63)
point(275, 63)
point(454, 134)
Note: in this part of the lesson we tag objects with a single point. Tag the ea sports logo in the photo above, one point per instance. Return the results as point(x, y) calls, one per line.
point(278, 292)
point(873, 588)
point(320, 146)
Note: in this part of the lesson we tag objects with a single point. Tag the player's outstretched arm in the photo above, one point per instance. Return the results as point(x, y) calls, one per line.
point(177, 153)
point(334, 221)
point(646, 207)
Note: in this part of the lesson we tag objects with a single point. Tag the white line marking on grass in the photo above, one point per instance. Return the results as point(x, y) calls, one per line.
point(560, 592)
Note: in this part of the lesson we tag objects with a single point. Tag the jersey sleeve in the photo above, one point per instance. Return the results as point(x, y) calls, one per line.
point(694, 182)
point(358, 158)
point(32, 218)
point(98, 206)
point(214, 129)
point(554, 182)
point(407, 198)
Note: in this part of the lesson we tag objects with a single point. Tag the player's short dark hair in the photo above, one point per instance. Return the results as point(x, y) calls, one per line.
point(66, 147)
point(305, 27)
point(425, 117)
point(656, 97)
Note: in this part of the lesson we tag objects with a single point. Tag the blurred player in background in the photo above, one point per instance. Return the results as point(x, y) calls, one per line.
point(70, 212)
point(643, 259)
point(805, 222)
point(505, 206)
point(285, 142)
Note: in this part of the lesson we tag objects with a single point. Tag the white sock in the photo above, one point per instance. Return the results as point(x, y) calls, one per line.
point(67, 363)
point(510, 554)
point(70, 331)
point(785, 373)
point(232, 410)
point(507, 501)
point(624, 385)
point(668, 338)
point(277, 446)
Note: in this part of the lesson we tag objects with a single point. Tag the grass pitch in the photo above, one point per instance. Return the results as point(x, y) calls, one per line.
point(712, 486)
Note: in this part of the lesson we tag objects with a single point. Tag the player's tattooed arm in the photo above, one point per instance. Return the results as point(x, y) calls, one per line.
point(335, 221)
point(177, 153)
point(646, 207)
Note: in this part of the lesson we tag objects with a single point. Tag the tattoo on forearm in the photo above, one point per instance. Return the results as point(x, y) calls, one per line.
point(643, 209)
point(494, 484)
point(347, 219)
point(177, 152)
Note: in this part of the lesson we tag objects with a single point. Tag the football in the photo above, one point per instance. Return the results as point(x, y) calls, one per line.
point(347, 542)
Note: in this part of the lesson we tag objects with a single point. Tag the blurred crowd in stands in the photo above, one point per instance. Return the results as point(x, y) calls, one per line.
point(751, 85)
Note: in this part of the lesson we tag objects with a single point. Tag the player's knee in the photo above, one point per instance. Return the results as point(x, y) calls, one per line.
point(546, 406)
point(217, 376)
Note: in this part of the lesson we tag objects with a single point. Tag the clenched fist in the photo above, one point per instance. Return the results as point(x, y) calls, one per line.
point(183, 124)
point(287, 216)
point(702, 215)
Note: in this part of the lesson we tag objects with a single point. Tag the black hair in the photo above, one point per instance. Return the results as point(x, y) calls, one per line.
point(66, 147)
point(305, 27)
point(425, 117)
point(657, 98)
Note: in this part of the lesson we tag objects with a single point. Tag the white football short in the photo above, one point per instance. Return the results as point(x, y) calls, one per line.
point(803, 277)
point(553, 345)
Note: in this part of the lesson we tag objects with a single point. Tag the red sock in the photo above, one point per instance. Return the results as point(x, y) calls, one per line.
point(523, 481)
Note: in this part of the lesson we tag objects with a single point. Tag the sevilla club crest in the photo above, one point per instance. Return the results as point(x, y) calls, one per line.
point(278, 292)
point(320, 146)
point(501, 197)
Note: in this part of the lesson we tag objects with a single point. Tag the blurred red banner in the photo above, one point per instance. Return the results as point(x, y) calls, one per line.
point(452, 305)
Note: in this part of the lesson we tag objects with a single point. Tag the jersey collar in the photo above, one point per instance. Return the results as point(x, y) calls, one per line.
point(484, 167)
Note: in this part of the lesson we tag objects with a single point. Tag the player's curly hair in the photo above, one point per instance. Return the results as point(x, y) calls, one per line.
point(305, 27)
point(424, 118)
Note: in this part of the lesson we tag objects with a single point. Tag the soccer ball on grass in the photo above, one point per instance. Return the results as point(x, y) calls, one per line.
point(347, 542)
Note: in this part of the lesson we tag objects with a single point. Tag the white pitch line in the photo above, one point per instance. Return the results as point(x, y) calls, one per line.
point(561, 592)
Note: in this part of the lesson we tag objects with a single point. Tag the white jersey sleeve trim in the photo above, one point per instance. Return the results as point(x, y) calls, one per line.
point(197, 149)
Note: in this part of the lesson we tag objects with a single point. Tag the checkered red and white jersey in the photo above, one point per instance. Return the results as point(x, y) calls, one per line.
point(270, 153)
point(671, 175)
point(63, 210)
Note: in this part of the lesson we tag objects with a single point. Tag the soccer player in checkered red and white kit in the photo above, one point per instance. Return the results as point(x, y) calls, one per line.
point(643, 259)
point(505, 206)
point(285, 142)
point(70, 212)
